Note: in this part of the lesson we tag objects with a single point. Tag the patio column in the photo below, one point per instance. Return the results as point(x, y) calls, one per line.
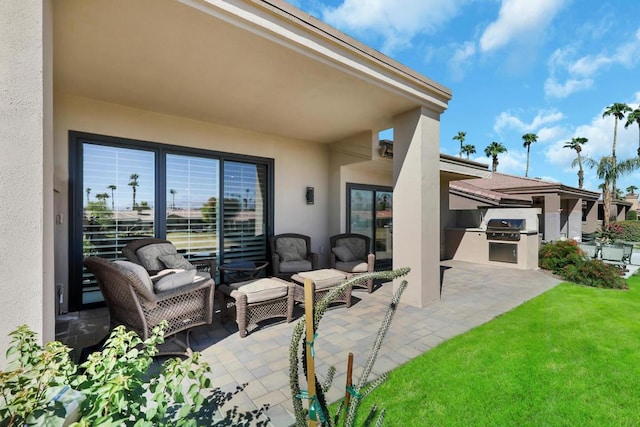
point(552, 210)
point(26, 181)
point(574, 226)
point(416, 203)
point(591, 223)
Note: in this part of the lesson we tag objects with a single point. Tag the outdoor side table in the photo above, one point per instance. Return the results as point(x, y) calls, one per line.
point(241, 271)
point(324, 281)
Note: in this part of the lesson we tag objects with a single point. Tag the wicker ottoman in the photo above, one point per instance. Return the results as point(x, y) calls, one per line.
point(257, 300)
point(324, 281)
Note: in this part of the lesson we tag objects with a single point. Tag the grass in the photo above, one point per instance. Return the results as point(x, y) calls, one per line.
point(568, 357)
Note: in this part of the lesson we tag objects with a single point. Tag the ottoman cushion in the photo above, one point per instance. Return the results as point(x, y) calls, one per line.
point(324, 278)
point(261, 289)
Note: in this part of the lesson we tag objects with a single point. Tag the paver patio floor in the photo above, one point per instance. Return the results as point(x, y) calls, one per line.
point(255, 369)
point(472, 294)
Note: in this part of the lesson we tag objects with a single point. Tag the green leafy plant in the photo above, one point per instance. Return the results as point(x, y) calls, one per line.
point(630, 231)
point(116, 384)
point(595, 273)
point(555, 256)
point(566, 259)
point(319, 408)
point(632, 216)
point(610, 233)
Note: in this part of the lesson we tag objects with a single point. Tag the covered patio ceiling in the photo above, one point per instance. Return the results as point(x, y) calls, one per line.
point(214, 61)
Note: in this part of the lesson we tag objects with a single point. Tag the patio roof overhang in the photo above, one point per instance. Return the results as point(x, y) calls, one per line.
point(259, 65)
point(453, 168)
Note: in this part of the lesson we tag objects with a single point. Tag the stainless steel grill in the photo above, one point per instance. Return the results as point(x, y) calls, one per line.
point(505, 229)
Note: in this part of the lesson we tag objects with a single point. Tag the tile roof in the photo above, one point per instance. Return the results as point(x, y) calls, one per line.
point(467, 187)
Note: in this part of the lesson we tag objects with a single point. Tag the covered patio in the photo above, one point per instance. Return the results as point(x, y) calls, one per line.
point(471, 294)
point(232, 83)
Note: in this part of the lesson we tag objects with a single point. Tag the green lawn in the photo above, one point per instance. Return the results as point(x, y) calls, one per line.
point(568, 357)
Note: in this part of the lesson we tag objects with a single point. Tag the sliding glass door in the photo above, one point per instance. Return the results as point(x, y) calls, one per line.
point(370, 212)
point(210, 205)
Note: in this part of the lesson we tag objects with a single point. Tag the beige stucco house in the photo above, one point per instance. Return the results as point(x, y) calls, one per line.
point(245, 103)
point(565, 211)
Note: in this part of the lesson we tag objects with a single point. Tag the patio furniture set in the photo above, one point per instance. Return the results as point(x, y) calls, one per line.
point(157, 283)
point(618, 253)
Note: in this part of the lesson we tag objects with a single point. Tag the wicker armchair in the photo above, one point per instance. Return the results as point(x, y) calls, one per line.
point(133, 304)
point(350, 253)
point(291, 253)
point(154, 266)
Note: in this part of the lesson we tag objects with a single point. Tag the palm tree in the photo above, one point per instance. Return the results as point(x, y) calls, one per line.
point(113, 199)
point(88, 192)
point(607, 170)
point(469, 149)
point(173, 198)
point(492, 151)
point(617, 110)
point(631, 189)
point(134, 183)
point(529, 138)
point(460, 137)
point(634, 117)
point(102, 196)
point(575, 144)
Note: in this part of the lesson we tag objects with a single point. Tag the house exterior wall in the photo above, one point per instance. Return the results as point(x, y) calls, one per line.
point(298, 164)
point(591, 217)
point(552, 218)
point(26, 218)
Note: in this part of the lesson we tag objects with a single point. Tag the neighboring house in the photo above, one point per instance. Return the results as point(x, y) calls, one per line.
point(633, 199)
point(618, 211)
point(214, 123)
point(565, 211)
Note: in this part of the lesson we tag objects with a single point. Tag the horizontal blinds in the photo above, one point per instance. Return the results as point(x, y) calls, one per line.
point(119, 203)
point(192, 205)
point(244, 211)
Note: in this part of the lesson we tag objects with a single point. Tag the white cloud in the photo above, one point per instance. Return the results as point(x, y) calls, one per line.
point(508, 121)
point(519, 19)
point(460, 58)
point(554, 89)
point(396, 22)
point(580, 72)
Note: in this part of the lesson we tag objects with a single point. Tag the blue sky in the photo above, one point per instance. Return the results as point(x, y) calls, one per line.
point(548, 67)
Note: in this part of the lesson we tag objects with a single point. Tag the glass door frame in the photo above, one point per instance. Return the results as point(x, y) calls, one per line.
point(76, 196)
point(375, 189)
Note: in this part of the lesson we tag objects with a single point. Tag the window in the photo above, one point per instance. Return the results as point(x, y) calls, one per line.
point(209, 204)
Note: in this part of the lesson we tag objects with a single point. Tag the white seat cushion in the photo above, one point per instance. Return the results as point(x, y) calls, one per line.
point(353, 266)
point(262, 289)
point(324, 278)
point(175, 280)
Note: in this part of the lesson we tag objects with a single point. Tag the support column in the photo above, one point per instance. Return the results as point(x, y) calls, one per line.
point(416, 203)
point(574, 228)
point(26, 188)
point(591, 223)
point(552, 217)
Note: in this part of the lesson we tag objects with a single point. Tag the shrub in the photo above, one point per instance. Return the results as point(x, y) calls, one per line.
point(595, 273)
point(614, 231)
point(115, 384)
point(555, 256)
point(632, 216)
point(630, 231)
point(567, 260)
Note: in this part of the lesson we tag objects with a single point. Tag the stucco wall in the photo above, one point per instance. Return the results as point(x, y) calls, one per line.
point(298, 164)
point(26, 195)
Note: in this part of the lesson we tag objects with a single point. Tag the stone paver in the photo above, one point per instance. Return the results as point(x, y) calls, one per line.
point(471, 295)
point(252, 373)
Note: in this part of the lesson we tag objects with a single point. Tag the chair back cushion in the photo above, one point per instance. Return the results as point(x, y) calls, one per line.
point(176, 261)
point(175, 280)
point(149, 255)
point(343, 253)
point(139, 271)
point(291, 249)
point(356, 245)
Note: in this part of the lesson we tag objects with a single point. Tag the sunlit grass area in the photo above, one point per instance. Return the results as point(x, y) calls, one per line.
point(568, 357)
